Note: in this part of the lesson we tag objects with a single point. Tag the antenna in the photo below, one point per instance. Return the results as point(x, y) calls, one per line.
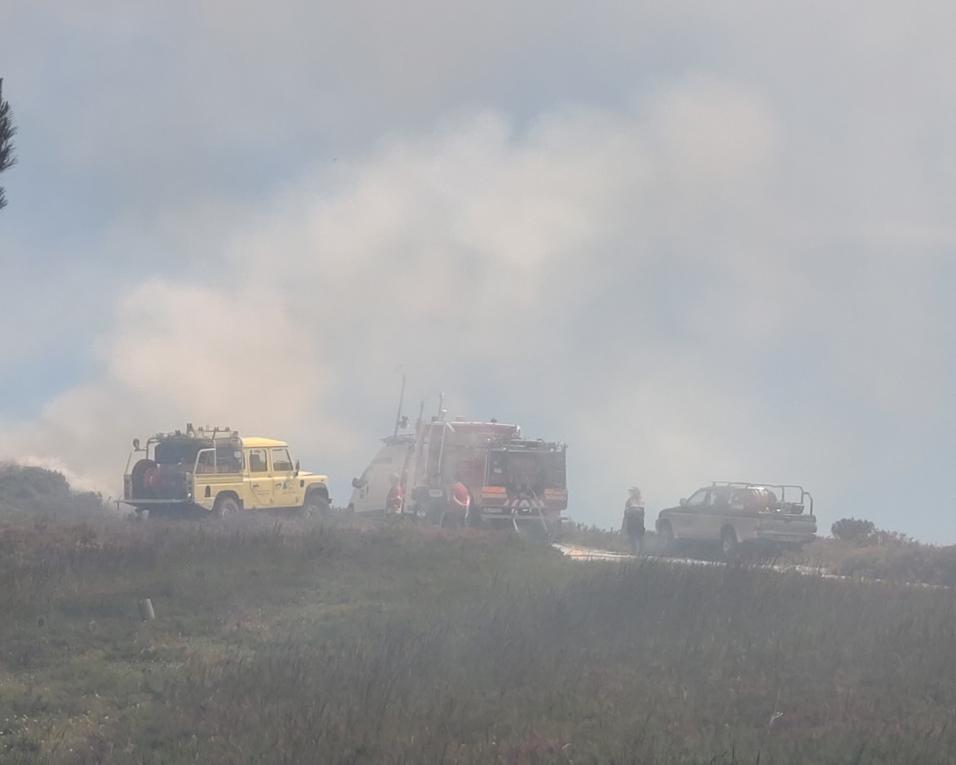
point(401, 403)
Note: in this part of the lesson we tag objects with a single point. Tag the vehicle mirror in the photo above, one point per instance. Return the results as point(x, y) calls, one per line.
point(683, 502)
point(356, 483)
point(297, 468)
point(136, 444)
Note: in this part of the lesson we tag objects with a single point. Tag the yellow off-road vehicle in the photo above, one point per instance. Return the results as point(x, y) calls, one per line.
point(217, 471)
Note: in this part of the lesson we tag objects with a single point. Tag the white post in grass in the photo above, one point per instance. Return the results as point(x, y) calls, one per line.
point(146, 612)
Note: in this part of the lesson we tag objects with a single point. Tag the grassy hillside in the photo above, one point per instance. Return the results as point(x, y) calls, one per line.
point(282, 642)
point(39, 493)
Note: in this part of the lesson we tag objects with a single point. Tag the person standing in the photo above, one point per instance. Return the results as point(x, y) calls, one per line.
point(633, 526)
point(395, 500)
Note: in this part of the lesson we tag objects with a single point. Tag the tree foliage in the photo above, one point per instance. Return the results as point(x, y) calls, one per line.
point(7, 131)
point(29, 489)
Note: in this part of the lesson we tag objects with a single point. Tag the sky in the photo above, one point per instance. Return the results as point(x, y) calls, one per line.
point(694, 241)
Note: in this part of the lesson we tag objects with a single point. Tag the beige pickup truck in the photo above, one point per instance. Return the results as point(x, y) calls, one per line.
point(735, 514)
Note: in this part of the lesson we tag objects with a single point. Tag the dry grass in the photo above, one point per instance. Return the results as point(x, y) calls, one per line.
point(288, 642)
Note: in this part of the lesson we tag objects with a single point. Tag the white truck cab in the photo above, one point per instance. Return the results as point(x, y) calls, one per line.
point(370, 490)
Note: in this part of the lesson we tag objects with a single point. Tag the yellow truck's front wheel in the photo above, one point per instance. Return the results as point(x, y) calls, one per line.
point(316, 505)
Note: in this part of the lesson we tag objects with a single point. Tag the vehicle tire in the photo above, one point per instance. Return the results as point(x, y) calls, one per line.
point(666, 535)
point(316, 505)
point(225, 506)
point(142, 478)
point(729, 546)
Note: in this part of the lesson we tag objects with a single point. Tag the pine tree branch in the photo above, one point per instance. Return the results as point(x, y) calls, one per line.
point(7, 131)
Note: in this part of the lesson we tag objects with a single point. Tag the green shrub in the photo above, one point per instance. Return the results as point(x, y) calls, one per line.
point(854, 530)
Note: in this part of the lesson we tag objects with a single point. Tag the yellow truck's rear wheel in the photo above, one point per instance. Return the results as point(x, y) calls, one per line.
point(225, 505)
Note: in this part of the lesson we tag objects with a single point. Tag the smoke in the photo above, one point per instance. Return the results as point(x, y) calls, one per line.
point(636, 282)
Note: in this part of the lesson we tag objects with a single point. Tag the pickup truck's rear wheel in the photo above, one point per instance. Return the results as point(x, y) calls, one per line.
point(728, 543)
point(225, 506)
point(316, 505)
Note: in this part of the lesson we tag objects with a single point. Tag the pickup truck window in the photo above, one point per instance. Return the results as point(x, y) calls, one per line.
point(281, 461)
point(698, 498)
point(719, 497)
point(257, 461)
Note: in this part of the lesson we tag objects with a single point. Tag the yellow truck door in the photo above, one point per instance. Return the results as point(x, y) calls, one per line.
point(261, 488)
point(285, 486)
point(217, 470)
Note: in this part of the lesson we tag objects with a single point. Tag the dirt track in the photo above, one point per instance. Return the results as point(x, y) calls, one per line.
point(580, 553)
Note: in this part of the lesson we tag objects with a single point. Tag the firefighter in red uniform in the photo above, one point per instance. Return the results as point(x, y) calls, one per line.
point(460, 497)
point(395, 500)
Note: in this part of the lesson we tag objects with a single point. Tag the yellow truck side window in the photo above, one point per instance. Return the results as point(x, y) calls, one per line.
point(257, 461)
point(228, 459)
point(206, 461)
point(281, 461)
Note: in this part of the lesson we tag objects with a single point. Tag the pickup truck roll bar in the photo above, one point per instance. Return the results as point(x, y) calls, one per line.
point(806, 498)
